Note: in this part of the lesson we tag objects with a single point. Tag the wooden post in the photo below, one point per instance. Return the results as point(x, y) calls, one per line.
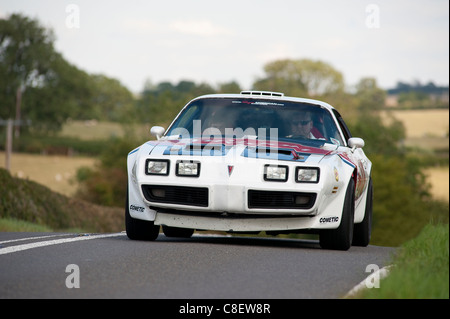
point(18, 115)
point(9, 138)
point(8, 146)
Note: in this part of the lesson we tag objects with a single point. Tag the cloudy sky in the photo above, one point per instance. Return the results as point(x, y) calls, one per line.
point(220, 41)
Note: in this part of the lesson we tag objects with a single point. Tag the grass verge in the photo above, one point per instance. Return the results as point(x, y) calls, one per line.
point(421, 268)
point(12, 224)
point(27, 202)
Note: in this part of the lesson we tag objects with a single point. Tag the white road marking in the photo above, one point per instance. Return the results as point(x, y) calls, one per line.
point(14, 249)
point(381, 274)
point(31, 238)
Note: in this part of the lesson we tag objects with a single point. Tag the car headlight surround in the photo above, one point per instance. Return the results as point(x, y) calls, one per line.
point(188, 168)
point(307, 174)
point(276, 173)
point(157, 167)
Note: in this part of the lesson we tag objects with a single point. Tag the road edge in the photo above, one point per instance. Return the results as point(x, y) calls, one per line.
point(376, 275)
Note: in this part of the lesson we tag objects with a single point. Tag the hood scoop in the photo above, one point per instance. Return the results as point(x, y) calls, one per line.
point(197, 149)
point(280, 154)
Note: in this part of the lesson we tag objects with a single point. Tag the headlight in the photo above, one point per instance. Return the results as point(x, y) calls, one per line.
point(307, 175)
point(156, 167)
point(188, 168)
point(275, 173)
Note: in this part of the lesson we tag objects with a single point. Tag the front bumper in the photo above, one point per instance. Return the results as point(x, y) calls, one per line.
point(230, 223)
point(238, 201)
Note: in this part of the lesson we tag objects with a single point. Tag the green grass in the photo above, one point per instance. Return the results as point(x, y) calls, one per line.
point(12, 224)
point(421, 268)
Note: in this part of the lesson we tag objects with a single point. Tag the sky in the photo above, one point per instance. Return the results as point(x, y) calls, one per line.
point(210, 41)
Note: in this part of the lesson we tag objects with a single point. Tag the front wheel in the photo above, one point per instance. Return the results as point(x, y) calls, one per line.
point(341, 237)
point(138, 229)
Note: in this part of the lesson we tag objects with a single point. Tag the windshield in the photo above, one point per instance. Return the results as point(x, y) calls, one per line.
point(262, 119)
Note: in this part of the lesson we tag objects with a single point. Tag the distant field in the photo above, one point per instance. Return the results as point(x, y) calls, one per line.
point(88, 130)
point(426, 129)
point(55, 172)
point(439, 180)
point(424, 123)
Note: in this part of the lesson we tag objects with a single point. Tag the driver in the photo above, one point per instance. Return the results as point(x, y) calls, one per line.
point(301, 126)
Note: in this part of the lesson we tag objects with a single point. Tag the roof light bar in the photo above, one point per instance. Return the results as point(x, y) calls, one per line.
point(262, 93)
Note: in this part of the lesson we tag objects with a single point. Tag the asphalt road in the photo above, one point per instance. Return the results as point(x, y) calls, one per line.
point(45, 265)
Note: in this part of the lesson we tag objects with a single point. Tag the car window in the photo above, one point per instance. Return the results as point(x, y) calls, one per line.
point(266, 119)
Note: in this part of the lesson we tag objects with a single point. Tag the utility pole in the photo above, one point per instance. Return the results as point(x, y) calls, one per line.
point(8, 146)
point(9, 138)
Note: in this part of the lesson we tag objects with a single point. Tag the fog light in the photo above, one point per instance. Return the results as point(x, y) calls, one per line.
point(301, 200)
point(158, 192)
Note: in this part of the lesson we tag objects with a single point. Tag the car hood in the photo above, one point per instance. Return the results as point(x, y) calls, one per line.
point(299, 151)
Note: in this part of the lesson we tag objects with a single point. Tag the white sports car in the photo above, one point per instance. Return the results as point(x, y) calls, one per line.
point(251, 162)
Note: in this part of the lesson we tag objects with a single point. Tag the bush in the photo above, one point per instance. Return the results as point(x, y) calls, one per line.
point(31, 202)
point(106, 184)
point(402, 205)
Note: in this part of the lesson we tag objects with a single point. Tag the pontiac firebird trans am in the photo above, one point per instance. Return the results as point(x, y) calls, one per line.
point(251, 162)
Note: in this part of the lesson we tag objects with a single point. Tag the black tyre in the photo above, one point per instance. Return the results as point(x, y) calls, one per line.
point(341, 237)
point(177, 232)
point(138, 229)
point(362, 231)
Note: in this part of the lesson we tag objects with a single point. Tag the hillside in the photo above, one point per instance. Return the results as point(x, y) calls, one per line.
point(29, 201)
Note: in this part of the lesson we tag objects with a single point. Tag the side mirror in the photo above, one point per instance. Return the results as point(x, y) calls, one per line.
point(356, 142)
point(157, 131)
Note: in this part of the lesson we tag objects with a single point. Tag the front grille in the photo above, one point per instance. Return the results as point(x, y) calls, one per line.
point(277, 199)
point(181, 195)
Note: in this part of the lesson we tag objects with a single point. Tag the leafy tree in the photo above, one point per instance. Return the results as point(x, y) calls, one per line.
point(111, 101)
point(67, 93)
point(38, 84)
point(379, 138)
point(160, 103)
point(26, 51)
point(371, 97)
point(302, 77)
point(229, 87)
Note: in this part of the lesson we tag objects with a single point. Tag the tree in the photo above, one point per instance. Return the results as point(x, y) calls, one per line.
point(111, 101)
point(229, 87)
point(26, 51)
point(302, 77)
point(66, 93)
point(371, 97)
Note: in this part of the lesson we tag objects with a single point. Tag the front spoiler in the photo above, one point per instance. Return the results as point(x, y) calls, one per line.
point(242, 224)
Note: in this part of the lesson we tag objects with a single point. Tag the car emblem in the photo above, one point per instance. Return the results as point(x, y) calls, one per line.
point(230, 169)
